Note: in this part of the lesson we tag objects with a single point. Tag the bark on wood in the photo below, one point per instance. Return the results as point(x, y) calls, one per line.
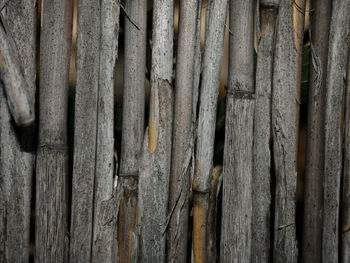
point(133, 124)
point(262, 134)
point(313, 188)
point(15, 86)
point(336, 73)
point(52, 162)
point(87, 64)
point(284, 136)
point(214, 40)
point(104, 221)
point(182, 135)
point(16, 146)
point(345, 213)
point(236, 234)
point(156, 153)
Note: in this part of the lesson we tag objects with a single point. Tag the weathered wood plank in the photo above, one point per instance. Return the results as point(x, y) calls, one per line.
point(313, 199)
point(85, 130)
point(284, 136)
point(132, 126)
point(214, 41)
point(51, 240)
point(236, 230)
point(156, 154)
point(262, 134)
point(338, 50)
point(17, 145)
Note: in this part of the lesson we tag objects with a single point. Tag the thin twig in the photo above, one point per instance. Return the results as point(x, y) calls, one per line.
point(128, 17)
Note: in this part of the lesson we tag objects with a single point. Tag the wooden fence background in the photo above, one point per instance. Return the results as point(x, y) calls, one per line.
point(175, 131)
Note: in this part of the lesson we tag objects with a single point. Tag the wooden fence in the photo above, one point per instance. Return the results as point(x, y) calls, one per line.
point(177, 168)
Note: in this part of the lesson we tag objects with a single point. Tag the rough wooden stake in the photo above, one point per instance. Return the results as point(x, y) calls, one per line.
point(85, 133)
point(284, 136)
point(236, 231)
point(262, 135)
point(17, 145)
point(182, 134)
point(14, 83)
point(133, 126)
point(313, 189)
point(336, 73)
point(51, 239)
point(210, 84)
point(156, 153)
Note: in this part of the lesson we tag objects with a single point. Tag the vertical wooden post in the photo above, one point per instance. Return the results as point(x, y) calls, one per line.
point(262, 134)
point(51, 240)
point(236, 229)
point(338, 51)
point(209, 91)
point(313, 191)
point(182, 135)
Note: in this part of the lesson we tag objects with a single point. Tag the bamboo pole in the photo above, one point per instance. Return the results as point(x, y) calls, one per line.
point(15, 86)
point(93, 205)
point(210, 84)
point(51, 240)
point(182, 144)
point(132, 126)
point(236, 231)
point(284, 102)
point(17, 145)
point(313, 199)
point(336, 73)
point(156, 154)
point(262, 134)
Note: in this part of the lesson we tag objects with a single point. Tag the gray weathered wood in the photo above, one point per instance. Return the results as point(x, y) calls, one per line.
point(51, 239)
point(156, 154)
point(210, 84)
point(85, 130)
point(284, 136)
point(16, 146)
point(14, 83)
point(313, 199)
point(336, 74)
point(262, 135)
point(345, 202)
point(182, 134)
point(104, 221)
point(133, 124)
point(236, 234)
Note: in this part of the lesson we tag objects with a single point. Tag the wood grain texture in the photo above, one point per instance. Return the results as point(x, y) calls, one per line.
point(345, 198)
point(15, 86)
point(284, 136)
point(85, 130)
point(105, 215)
point(262, 134)
point(236, 231)
point(182, 134)
point(336, 73)
point(210, 84)
point(17, 150)
point(313, 199)
point(51, 239)
point(132, 127)
point(156, 154)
